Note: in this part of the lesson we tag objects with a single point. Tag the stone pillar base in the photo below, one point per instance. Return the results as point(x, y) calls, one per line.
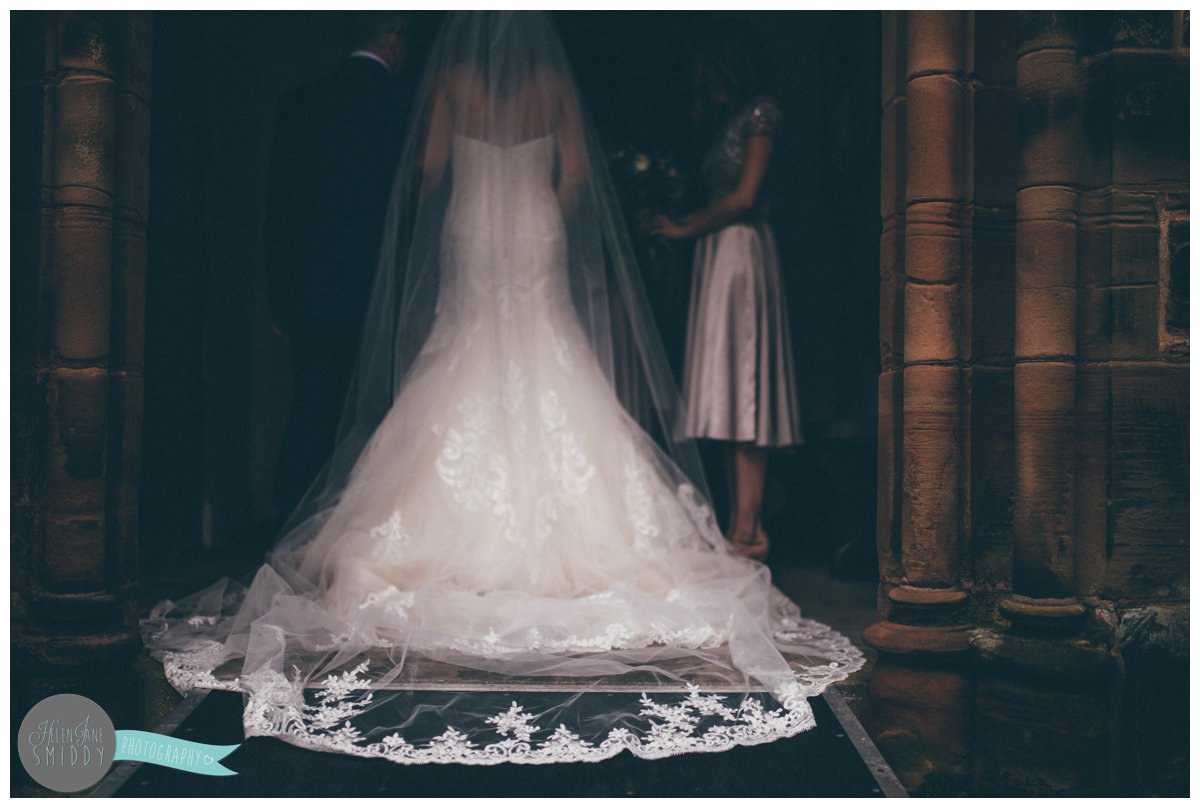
point(919, 717)
point(920, 690)
point(51, 646)
point(1048, 706)
point(1043, 614)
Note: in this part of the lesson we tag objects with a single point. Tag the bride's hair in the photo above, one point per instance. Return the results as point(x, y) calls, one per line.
point(504, 74)
point(732, 67)
point(508, 69)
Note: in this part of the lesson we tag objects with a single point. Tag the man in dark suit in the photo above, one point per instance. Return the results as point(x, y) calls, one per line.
point(337, 142)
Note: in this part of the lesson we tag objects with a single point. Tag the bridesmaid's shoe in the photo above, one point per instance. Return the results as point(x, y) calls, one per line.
point(756, 549)
point(760, 548)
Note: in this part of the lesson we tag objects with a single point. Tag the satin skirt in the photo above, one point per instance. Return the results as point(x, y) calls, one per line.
point(739, 378)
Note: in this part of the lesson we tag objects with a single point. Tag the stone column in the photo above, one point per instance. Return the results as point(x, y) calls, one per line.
point(919, 691)
point(1032, 402)
point(1041, 688)
point(1049, 103)
point(77, 380)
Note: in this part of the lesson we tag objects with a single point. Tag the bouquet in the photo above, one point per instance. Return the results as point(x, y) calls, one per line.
point(648, 183)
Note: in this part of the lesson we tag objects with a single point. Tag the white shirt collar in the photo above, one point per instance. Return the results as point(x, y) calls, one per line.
point(369, 55)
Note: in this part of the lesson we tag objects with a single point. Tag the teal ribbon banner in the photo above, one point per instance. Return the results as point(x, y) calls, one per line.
point(164, 750)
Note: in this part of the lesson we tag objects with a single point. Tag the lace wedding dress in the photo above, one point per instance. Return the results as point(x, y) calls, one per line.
point(512, 569)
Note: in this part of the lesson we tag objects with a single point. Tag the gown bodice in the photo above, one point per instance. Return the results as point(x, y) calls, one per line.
point(722, 165)
point(503, 239)
point(520, 175)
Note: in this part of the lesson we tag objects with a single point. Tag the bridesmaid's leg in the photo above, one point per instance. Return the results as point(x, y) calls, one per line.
point(750, 471)
point(727, 450)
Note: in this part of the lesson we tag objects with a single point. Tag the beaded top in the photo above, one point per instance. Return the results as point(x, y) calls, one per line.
point(722, 165)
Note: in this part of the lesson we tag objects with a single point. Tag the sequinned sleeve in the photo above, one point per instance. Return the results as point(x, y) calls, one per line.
point(764, 118)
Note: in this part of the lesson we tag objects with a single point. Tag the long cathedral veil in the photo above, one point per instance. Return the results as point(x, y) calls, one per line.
point(503, 78)
point(495, 564)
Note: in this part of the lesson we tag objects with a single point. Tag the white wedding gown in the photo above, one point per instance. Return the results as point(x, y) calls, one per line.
point(507, 498)
point(509, 511)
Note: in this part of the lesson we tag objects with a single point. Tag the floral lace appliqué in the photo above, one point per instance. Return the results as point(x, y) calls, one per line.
point(479, 475)
point(391, 539)
point(700, 722)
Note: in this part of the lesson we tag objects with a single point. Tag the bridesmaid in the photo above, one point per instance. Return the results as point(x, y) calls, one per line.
point(739, 383)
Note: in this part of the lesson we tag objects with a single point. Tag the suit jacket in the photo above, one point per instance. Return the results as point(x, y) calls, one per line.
point(337, 142)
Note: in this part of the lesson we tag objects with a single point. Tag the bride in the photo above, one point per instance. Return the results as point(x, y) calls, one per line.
point(498, 563)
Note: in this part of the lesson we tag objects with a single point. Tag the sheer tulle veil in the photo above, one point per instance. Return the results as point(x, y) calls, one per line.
point(497, 562)
point(503, 78)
